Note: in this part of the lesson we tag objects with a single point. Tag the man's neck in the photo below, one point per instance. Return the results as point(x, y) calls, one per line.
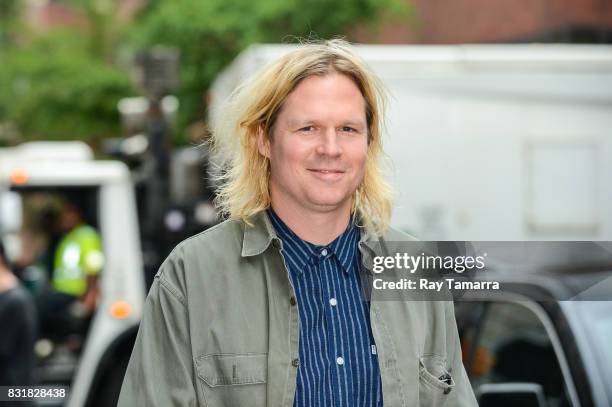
point(319, 228)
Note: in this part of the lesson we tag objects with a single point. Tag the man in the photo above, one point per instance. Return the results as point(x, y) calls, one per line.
point(78, 258)
point(265, 309)
point(17, 327)
point(77, 262)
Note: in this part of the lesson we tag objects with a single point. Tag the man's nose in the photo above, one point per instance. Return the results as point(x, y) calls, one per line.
point(329, 144)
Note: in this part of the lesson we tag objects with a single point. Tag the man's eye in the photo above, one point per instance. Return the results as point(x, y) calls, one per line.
point(348, 129)
point(307, 128)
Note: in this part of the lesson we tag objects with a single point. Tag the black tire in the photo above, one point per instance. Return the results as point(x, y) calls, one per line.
point(107, 392)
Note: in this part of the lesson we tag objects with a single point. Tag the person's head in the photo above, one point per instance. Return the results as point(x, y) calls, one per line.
point(306, 132)
point(71, 216)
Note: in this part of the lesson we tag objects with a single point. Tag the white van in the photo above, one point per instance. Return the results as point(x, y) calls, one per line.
point(488, 142)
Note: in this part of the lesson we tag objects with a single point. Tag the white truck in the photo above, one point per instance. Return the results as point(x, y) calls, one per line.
point(488, 142)
point(95, 372)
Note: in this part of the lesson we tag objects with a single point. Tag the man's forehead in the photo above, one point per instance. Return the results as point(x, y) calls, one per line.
point(334, 86)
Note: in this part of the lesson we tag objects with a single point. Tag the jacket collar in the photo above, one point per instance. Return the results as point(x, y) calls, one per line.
point(261, 234)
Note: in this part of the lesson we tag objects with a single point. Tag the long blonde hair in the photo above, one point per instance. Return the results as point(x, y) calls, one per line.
point(243, 173)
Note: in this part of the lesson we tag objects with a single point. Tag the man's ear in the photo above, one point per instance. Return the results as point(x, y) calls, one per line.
point(263, 143)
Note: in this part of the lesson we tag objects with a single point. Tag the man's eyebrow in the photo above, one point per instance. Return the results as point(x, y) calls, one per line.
point(299, 122)
point(354, 123)
point(307, 122)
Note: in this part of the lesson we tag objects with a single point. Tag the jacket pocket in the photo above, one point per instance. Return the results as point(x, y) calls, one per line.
point(435, 381)
point(233, 379)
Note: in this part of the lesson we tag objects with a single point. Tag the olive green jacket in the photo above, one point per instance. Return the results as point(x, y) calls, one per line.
point(221, 328)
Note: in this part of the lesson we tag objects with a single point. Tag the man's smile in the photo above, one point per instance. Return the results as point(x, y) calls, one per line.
point(327, 174)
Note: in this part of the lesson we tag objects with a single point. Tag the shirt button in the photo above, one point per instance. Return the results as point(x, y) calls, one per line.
point(340, 360)
point(295, 362)
point(324, 252)
point(292, 301)
point(333, 302)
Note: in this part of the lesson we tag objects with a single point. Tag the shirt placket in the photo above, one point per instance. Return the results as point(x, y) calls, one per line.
point(334, 342)
point(311, 288)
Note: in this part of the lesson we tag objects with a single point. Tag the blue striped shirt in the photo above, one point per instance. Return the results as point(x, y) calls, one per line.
point(338, 363)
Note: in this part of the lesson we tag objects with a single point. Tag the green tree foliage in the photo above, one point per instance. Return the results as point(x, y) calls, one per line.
point(62, 84)
point(64, 96)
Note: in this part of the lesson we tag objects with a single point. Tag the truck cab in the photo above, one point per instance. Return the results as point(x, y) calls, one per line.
point(37, 171)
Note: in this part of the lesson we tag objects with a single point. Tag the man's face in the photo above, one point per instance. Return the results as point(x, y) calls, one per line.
point(318, 146)
point(70, 218)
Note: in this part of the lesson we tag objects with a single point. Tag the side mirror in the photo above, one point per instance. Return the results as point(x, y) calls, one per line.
point(10, 212)
point(510, 395)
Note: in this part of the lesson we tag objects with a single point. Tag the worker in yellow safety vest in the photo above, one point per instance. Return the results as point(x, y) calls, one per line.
point(77, 263)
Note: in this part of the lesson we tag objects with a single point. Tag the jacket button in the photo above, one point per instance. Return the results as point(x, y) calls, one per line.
point(295, 362)
point(292, 301)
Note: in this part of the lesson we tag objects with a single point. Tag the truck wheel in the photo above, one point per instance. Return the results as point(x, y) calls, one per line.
point(107, 393)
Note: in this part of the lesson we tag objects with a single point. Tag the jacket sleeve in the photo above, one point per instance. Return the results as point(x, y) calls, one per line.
point(464, 393)
point(160, 371)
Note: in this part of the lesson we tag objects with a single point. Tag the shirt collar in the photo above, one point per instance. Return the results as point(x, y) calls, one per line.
point(345, 246)
point(260, 234)
point(301, 252)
